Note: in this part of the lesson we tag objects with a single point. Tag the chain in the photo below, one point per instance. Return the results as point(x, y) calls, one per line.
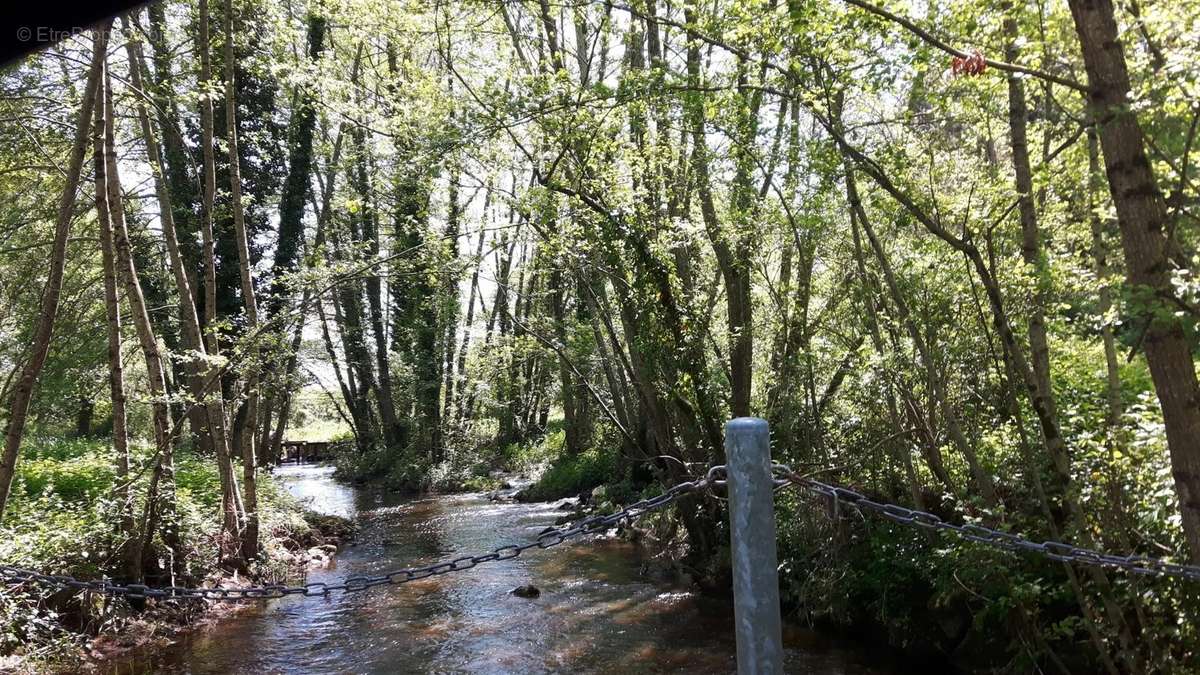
point(554, 536)
point(550, 537)
point(1054, 550)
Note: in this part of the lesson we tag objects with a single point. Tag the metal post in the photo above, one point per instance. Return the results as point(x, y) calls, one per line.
point(752, 531)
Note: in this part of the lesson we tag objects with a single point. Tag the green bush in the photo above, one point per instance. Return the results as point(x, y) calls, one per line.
point(569, 475)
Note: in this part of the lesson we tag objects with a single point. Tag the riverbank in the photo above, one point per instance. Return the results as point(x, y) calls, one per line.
point(59, 521)
point(297, 552)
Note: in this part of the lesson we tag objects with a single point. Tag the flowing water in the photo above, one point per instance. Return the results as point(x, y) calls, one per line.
point(596, 614)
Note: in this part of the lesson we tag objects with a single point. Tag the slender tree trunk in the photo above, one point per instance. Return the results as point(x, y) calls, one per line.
point(208, 422)
point(287, 259)
point(205, 412)
point(249, 301)
point(731, 249)
point(450, 302)
point(348, 316)
point(1112, 369)
point(160, 497)
point(1031, 238)
point(183, 182)
point(343, 383)
point(297, 184)
point(130, 555)
point(83, 417)
point(230, 501)
point(498, 315)
point(392, 434)
point(460, 392)
point(939, 399)
point(22, 392)
point(574, 440)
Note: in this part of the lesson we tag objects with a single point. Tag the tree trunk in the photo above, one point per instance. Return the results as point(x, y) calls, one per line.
point(232, 516)
point(297, 184)
point(160, 496)
point(574, 441)
point(460, 389)
point(392, 434)
point(939, 398)
point(1142, 217)
point(249, 301)
point(1115, 407)
point(732, 249)
point(22, 393)
point(288, 246)
point(178, 172)
point(130, 555)
point(205, 412)
point(360, 373)
point(1031, 238)
point(83, 417)
point(449, 303)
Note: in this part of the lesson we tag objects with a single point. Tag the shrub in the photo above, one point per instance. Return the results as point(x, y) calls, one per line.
point(571, 474)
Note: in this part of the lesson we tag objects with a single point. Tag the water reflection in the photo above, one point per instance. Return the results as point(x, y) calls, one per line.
point(595, 614)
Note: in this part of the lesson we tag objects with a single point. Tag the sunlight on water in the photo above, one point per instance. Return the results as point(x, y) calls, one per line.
point(595, 613)
point(315, 488)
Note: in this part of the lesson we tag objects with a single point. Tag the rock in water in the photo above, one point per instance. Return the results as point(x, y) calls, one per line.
point(526, 591)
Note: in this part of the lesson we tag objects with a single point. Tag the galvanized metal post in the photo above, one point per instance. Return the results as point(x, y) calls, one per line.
point(752, 534)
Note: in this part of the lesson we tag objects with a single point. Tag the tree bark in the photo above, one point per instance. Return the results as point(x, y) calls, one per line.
point(160, 495)
point(732, 249)
point(1112, 370)
point(460, 369)
point(181, 196)
point(208, 420)
point(297, 184)
point(1142, 217)
point(392, 433)
point(1032, 251)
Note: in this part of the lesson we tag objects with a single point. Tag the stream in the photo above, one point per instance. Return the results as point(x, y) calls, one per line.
point(596, 613)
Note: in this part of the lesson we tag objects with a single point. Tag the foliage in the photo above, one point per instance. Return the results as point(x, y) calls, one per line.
point(571, 241)
point(60, 521)
point(571, 475)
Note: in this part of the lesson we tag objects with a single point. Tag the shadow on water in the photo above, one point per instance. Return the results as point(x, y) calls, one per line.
point(595, 614)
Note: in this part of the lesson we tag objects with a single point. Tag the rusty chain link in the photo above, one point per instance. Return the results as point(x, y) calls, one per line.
point(551, 536)
point(1054, 550)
